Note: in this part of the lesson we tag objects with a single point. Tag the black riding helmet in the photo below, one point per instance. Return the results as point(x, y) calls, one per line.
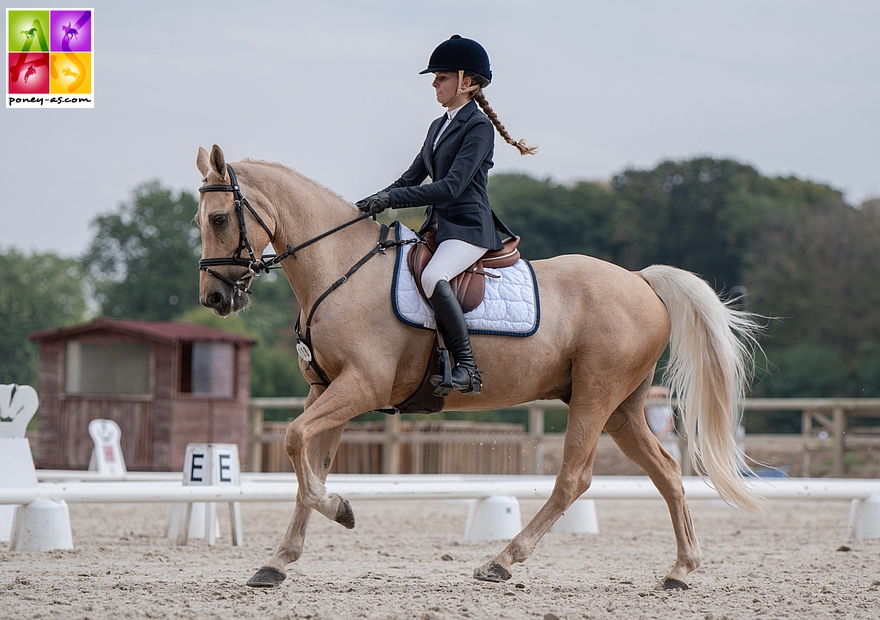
point(460, 54)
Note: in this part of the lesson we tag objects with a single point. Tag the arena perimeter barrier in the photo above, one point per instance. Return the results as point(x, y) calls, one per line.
point(282, 487)
point(493, 512)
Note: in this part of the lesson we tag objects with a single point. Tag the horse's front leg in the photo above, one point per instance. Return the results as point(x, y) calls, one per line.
point(343, 399)
point(274, 572)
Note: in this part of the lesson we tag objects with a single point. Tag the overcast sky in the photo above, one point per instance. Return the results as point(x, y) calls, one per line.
point(332, 89)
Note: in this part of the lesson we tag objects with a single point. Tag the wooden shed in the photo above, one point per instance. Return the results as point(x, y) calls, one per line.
point(166, 384)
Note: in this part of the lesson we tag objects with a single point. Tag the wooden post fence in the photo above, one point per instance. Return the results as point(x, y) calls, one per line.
point(825, 424)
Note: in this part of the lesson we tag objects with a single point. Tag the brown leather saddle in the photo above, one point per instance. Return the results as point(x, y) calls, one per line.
point(470, 285)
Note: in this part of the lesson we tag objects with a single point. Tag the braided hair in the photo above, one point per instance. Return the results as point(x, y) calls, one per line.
point(480, 98)
point(520, 145)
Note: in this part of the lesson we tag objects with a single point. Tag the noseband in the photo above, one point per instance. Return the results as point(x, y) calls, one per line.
point(255, 266)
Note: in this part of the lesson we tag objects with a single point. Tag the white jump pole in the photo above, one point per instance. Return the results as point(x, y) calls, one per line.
point(424, 487)
point(497, 494)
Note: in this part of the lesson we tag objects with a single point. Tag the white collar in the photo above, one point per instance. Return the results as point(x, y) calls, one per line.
point(450, 114)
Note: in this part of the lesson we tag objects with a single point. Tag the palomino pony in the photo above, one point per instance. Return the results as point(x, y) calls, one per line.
point(602, 331)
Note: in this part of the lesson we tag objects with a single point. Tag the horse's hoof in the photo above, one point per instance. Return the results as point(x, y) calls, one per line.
point(266, 578)
point(672, 584)
point(345, 515)
point(492, 571)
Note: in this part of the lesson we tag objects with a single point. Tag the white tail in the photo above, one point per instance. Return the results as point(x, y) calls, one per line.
point(711, 349)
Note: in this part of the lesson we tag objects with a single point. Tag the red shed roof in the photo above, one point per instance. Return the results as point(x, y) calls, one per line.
point(163, 331)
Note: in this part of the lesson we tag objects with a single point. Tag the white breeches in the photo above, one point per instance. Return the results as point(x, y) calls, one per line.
point(451, 258)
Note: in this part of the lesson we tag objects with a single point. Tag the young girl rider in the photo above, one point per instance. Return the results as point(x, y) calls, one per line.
point(457, 155)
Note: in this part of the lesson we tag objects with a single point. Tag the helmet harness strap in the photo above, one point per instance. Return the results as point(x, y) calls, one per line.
point(469, 89)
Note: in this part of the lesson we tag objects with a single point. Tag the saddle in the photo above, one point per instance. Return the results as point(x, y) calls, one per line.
point(470, 285)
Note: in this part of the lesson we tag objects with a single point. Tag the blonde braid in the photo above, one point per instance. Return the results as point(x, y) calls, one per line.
point(521, 146)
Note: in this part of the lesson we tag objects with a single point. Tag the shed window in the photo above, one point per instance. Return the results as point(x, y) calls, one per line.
point(206, 368)
point(102, 368)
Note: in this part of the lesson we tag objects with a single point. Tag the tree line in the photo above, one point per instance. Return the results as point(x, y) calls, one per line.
point(809, 261)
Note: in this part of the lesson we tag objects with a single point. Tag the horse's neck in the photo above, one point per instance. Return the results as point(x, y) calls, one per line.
point(307, 210)
point(319, 265)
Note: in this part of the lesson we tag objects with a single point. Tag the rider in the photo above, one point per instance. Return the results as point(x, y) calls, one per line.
point(457, 155)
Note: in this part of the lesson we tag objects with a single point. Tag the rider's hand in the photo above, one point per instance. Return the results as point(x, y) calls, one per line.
point(374, 204)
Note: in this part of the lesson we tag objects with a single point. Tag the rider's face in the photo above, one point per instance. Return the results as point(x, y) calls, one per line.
point(446, 88)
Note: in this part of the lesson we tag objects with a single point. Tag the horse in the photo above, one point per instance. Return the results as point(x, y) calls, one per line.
point(602, 331)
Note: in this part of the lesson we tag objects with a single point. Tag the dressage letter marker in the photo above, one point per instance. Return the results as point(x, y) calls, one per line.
point(213, 464)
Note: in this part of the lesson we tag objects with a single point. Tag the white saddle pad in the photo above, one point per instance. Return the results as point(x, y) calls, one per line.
point(510, 307)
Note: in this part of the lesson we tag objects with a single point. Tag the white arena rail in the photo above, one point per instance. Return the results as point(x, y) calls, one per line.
point(282, 487)
point(494, 515)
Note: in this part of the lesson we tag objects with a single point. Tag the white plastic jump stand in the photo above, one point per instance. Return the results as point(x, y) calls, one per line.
point(107, 454)
point(493, 518)
point(864, 518)
point(206, 464)
point(19, 525)
point(580, 518)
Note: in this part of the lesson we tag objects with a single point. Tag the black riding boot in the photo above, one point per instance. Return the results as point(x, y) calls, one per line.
point(450, 319)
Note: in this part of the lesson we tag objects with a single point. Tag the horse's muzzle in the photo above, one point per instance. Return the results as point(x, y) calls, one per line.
point(223, 300)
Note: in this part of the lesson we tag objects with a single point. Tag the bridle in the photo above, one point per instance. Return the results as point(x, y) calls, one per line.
point(255, 267)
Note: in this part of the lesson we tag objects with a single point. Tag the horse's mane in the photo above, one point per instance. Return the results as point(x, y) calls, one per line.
point(297, 174)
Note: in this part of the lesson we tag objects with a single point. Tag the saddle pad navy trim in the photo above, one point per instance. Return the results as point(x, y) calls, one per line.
point(477, 320)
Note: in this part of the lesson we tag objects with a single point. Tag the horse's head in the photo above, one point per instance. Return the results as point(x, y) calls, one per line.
point(233, 236)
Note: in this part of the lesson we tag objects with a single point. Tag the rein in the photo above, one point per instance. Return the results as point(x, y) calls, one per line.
point(255, 266)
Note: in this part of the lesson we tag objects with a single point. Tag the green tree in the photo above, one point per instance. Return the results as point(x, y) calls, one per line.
point(40, 291)
point(143, 260)
point(819, 276)
point(702, 214)
point(554, 219)
point(807, 370)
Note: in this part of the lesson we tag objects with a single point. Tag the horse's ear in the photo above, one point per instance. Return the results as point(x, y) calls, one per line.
point(202, 162)
point(218, 162)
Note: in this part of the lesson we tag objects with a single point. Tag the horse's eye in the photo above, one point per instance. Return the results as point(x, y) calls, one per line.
point(219, 219)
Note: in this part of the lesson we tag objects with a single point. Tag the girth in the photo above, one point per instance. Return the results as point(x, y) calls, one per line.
point(470, 285)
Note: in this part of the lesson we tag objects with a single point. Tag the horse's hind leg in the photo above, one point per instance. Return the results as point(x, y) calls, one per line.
point(273, 572)
point(630, 431)
point(575, 474)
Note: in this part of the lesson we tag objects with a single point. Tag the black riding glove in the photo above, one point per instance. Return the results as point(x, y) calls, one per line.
point(374, 204)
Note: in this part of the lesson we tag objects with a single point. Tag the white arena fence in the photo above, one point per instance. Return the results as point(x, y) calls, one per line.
point(84, 487)
point(493, 512)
